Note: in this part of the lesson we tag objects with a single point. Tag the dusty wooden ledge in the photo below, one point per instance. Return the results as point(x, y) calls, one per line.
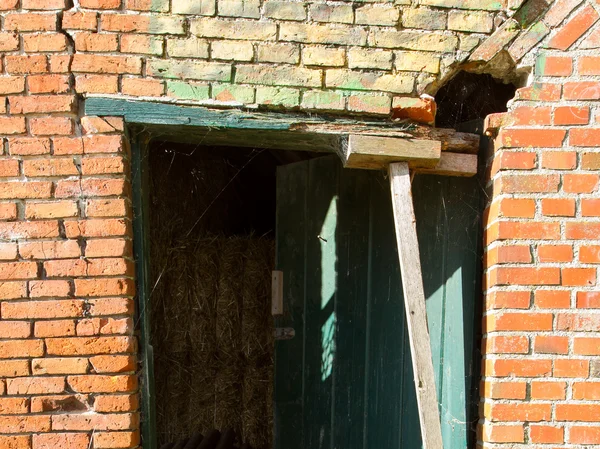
point(305, 132)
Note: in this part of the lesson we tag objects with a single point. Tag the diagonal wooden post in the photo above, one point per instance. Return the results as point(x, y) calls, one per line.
point(414, 302)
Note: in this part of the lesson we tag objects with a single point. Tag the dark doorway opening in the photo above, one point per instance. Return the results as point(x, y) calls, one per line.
point(211, 240)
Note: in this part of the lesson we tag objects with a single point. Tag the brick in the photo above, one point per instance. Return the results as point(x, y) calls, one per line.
point(555, 253)
point(577, 322)
point(528, 230)
point(9, 168)
point(313, 55)
point(513, 160)
point(47, 288)
point(35, 385)
point(504, 390)
point(70, 440)
point(586, 346)
point(30, 22)
point(285, 10)
point(551, 138)
point(12, 125)
point(41, 104)
point(102, 125)
point(589, 254)
point(110, 440)
point(96, 228)
point(576, 183)
point(142, 44)
point(588, 300)
point(590, 161)
point(409, 40)
point(9, 42)
point(517, 207)
point(278, 75)
point(359, 58)
point(506, 345)
point(14, 329)
point(520, 368)
point(25, 64)
point(577, 412)
point(49, 249)
point(581, 90)
point(113, 363)
point(524, 276)
point(347, 79)
point(96, 42)
point(508, 300)
point(578, 276)
point(43, 309)
point(527, 115)
point(116, 403)
point(187, 90)
point(45, 126)
point(100, 64)
point(586, 391)
point(503, 434)
point(323, 100)
point(322, 34)
point(279, 53)
point(232, 29)
point(584, 435)
point(546, 434)
point(8, 211)
point(53, 366)
point(551, 344)
point(508, 321)
point(509, 254)
point(110, 306)
point(369, 103)
point(11, 349)
point(148, 5)
point(14, 368)
point(196, 70)
point(59, 403)
point(97, 84)
point(571, 115)
point(240, 8)
point(12, 84)
point(553, 65)
point(338, 13)
point(539, 92)
point(80, 20)
point(18, 270)
point(581, 231)
point(50, 167)
point(470, 21)
point(54, 328)
point(502, 37)
point(89, 187)
point(232, 50)
point(377, 14)
point(100, 4)
point(146, 24)
point(558, 207)
point(199, 7)
point(574, 28)
point(424, 19)
point(488, 5)
point(89, 345)
point(529, 183)
point(104, 326)
point(95, 422)
point(233, 93)
point(13, 406)
point(24, 424)
point(13, 290)
point(57, 209)
point(142, 87)
point(548, 390)
point(47, 42)
point(519, 412)
point(104, 287)
point(559, 160)
point(189, 48)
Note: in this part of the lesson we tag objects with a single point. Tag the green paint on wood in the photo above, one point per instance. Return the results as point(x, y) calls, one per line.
point(351, 349)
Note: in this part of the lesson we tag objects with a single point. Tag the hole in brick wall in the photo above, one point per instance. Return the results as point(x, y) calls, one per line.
point(469, 96)
point(212, 225)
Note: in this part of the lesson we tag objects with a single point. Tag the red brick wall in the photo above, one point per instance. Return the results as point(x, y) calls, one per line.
point(67, 345)
point(542, 322)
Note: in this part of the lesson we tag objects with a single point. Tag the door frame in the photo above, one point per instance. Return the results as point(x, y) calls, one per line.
point(272, 130)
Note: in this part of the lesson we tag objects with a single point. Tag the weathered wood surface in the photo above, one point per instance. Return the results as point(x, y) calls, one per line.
point(376, 152)
point(303, 126)
point(452, 164)
point(414, 301)
point(277, 293)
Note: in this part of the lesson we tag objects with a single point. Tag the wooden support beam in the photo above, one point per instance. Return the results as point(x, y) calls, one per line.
point(375, 152)
point(414, 302)
point(453, 164)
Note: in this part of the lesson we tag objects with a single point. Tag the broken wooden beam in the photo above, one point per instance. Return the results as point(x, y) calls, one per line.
point(414, 304)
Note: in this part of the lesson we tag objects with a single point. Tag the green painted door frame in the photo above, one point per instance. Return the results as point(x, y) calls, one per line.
point(147, 120)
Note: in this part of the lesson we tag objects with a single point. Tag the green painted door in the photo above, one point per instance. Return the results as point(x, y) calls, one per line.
point(345, 381)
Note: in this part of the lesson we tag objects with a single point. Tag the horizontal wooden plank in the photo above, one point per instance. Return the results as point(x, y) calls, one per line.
point(375, 152)
point(453, 164)
point(327, 130)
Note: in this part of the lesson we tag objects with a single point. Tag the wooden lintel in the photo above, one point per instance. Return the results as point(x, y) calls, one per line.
point(414, 303)
point(453, 164)
point(297, 131)
point(375, 153)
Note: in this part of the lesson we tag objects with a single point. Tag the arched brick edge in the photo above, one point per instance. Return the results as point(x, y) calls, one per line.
point(541, 371)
